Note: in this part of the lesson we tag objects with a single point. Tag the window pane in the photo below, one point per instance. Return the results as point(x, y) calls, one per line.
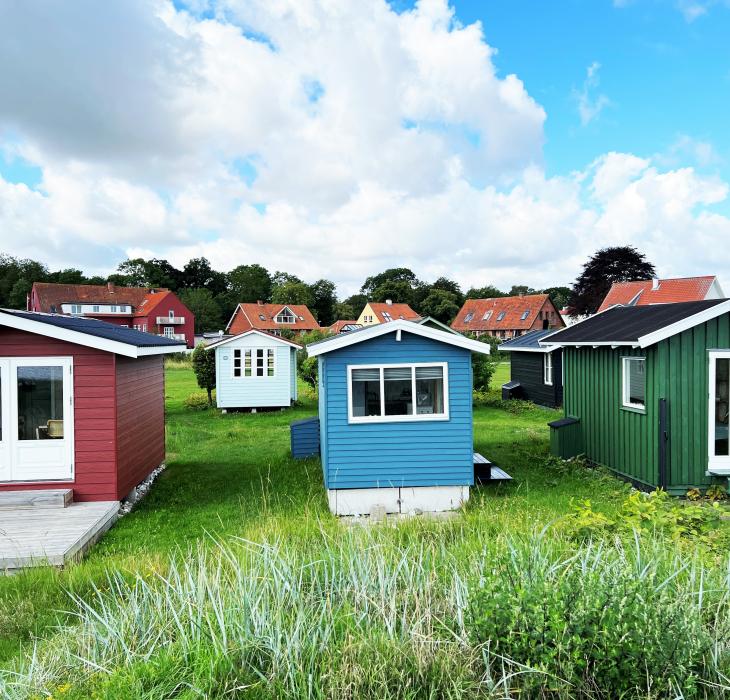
point(398, 391)
point(247, 363)
point(40, 403)
point(429, 390)
point(722, 378)
point(365, 392)
point(270, 363)
point(635, 382)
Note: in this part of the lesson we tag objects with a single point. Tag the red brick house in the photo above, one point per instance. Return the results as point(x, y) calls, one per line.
point(656, 291)
point(157, 311)
point(507, 317)
point(83, 405)
point(272, 318)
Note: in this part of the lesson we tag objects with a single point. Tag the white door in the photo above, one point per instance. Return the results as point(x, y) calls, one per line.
point(37, 416)
point(719, 451)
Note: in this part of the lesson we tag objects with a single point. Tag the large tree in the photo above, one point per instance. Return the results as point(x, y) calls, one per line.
point(293, 293)
point(393, 275)
point(199, 274)
point(324, 304)
point(441, 305)
point(205, 308)
point(487, 292)
point(558, 295)
point(249, 283)
point(351, 308)
point(16, 280)
point(608, 265)
point(155, 272)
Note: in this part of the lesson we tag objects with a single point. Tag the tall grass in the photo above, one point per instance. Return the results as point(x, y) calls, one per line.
point(389, 613)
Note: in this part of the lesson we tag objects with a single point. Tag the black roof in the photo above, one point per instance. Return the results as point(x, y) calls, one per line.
point(626, 324)
point(529, 341)
point(99, 329)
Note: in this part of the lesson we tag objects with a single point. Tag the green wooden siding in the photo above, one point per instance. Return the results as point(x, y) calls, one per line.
point(627, 441)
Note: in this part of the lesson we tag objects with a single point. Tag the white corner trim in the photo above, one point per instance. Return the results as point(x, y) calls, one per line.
point(254, 331)
point(375, 331)
point(684, 324)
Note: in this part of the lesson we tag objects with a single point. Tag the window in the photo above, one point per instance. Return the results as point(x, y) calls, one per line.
point(262, 317)
point(113, 309)
point(168, 331)
point(634, 382)
point(285, 316)
point(95, 309)
point(500, 315)
point(719, 413)
point(171, 314)
point(387, 316)
point(547, 368)
point(40, 402)
point(468, 317)
point(487, 315)
point(75, 308)
point(250, 363)
point(144, 327)
point(524, 316)
point(398, 393)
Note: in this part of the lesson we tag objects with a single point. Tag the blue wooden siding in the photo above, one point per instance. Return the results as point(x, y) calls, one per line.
point(305, 438)
point(322, 404)
point(253, 392)
point(416, 453)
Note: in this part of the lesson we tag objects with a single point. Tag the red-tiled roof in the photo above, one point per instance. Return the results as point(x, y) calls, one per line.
point(143, 300)
point(642, 293)
point(337, 326)
point(504, 313)
point(261, 316)
point(395, 311)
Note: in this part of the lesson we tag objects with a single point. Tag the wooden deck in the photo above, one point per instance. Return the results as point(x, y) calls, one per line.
point(51, 536)
point(486, 472)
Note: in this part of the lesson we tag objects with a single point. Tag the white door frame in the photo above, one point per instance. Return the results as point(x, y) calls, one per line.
point(716, 464)
point(5, 460)
point(36, 460)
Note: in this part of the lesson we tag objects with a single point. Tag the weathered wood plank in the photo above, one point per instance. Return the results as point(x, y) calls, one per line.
point(40, 498)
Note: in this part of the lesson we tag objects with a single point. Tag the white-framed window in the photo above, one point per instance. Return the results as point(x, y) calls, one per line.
point(75, 308)
point(168, 331)
point(113, 309)
point(468, 317)
point(387, 316)
point(634, 382)
point(500, 315)
point(403, 392)
point(525, 314)
point(285, 316)
point(719, 452)
point(256, 362)
point(95, 309)
point(125, 325)
point(547, 368)
point(144, 327)
point(487, 315)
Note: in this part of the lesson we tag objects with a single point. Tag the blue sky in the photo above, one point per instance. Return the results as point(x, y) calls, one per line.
point(336, 139)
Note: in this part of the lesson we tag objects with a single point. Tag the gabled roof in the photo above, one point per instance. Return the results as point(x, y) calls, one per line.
point(400, 326)
point(669, 291)
point(253, 331)
point(91, 333)
point(344, 326)
point(434, 323)
point(530, 342)
point(638, 326)
point(253, 313)
point(396, 311)
point(501, 313)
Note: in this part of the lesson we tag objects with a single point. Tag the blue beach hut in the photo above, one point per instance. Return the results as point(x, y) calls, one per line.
point(395, 413)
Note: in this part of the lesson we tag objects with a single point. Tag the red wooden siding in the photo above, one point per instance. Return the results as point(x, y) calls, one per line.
point(94, 414)
point(140, 415)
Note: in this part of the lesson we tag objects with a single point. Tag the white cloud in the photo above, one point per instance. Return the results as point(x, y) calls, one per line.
point(686, 149)
point(590, 105)
point(363, 139)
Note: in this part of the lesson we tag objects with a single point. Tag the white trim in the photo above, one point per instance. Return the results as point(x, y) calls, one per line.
point(431, 319)
point(716, 464)
point(233, 315)
point(255, 331)
point(625, 399)
point(80, 338)
point(345, 340)
point(685, 324)
point(415, 417)
point(504, 348)
point(547, 356)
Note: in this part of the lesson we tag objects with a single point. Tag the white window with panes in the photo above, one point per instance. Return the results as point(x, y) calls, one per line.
point(255, 362)
point(634, 382)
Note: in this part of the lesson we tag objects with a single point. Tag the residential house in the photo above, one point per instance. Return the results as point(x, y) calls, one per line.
point(271, 318)
point(83, 404)
point(395, 417)
point(344, 327)
point(507, 317)
point(646, 393)
point(668, 291)
point(146, 309)
point(384, 312)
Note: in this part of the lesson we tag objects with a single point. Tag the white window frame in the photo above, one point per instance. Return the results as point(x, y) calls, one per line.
point(625, 402)
point(717, 464)
point(285, 316)
point(398, 419)
point(77, 309)
point(251, 354)
point(547, 369)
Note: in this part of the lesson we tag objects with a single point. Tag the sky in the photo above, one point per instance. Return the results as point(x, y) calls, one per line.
point(492, 142)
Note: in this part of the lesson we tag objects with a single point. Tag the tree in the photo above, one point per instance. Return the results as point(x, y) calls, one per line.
point(307, 367)
point(279, 278)
point(396, 290)
point(204, 368)
point(249, 283)
point(608, 265)
point(68, 276)
point(449, 286)
point(520, 290)
point(324, 301)
point(16, 280)
point(558, 295)
point(441, 305)
point(198, 274)
point(394, 274)
point(487, 292)
point(205, 308)
point(293, 293)
point(351, 308)
point(483, 366)
point(138, 272)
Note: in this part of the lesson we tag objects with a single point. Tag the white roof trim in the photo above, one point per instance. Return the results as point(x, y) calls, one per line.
point(80, 338)
point(254, 331)
point(344, 340)
point(233, 315)
point(431, 319)
point(504, 348)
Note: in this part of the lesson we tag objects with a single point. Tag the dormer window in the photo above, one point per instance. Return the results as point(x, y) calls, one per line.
point(524, 315)
point(468, 317)
point(262, 317)
point(500, 316)
point(487, 315)
point(285, 316)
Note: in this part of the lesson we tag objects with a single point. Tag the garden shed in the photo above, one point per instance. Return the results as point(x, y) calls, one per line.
point(255, 369)
point(537, 369)
point(646, 393)
point(395, 413)
point(82, 405)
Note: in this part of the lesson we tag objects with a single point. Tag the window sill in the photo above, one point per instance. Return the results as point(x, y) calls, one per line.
point(634, 409)
point(398, 419)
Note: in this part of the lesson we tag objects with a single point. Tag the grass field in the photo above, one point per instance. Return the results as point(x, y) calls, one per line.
point(230, 480)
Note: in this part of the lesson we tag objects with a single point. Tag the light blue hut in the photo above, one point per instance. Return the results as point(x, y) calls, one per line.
point(255, 370)
point(395, 412)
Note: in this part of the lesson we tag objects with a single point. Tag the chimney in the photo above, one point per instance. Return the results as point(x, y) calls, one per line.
point(110, 287)
point(389, 302)
point(654, 284)
point(259, 302)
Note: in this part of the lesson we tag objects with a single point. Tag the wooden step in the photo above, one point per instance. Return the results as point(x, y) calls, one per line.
point(40, 498)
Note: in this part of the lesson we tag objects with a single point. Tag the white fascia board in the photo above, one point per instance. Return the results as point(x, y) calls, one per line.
point(253, 331)
point(78, 338)
point(516, 349)
point(684, 324)
point(233, 315)
point(589, 344)
point(347, 339)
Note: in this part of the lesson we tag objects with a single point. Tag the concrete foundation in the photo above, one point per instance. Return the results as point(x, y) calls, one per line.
point(406, 499)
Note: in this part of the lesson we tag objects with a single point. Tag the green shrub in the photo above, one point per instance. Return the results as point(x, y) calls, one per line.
point(197, 401)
